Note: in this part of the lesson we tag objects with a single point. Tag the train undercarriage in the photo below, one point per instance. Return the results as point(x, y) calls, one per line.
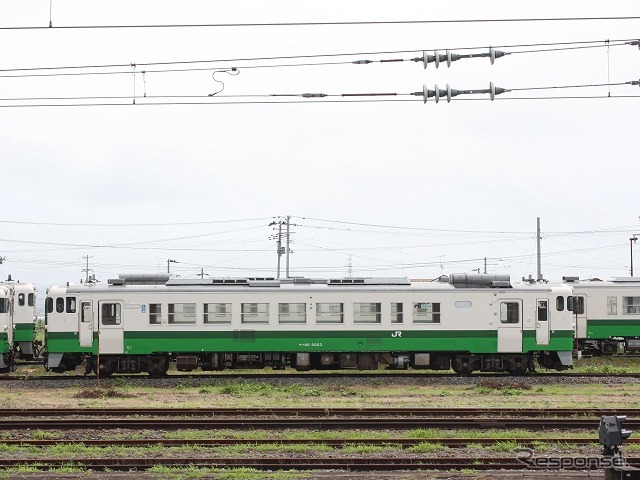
point(157, 365)
point(610, 346)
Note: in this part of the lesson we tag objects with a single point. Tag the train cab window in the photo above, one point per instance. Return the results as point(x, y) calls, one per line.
point(31, 299)
point(183, 313)
point(329, 312)
point(255, 313)
point(543, 311)
point(155, 313)
point(367, 313)
point(48, 305)
point(426, 312)
point(71, 305)
point(560, 303)
point(576, 304)
point(509, 312)
point(631, 305)
point(60, 305)
point(292, 312)
point(217, 313)
point(21, 299)
point(111, 314)
point(4, 305)
point(396, 313)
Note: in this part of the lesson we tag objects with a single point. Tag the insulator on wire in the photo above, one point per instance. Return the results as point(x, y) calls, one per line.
point(493, 54)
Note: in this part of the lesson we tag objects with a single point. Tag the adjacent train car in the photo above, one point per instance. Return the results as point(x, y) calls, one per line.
point(24, 319)
point(6, 328)
point(469, 323)
point(607, 315)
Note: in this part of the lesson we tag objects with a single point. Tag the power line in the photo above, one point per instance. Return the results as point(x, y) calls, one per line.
point(560, 46)
point(321, 24)
point(318, 101)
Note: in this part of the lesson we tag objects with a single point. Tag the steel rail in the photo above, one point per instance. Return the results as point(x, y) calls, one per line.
point(293, 374)
point(329, 442)
point(281, 463)
point(244, 423)
point(494, 412)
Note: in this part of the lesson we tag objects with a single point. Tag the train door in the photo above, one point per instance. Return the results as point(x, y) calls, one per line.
point(577, 304)
point(510, 325)
point(111, 328)
point(542, 322)
point(85, 324)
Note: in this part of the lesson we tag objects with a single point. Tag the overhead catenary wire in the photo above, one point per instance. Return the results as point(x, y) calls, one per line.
point(146, 65)
point(328, 23)
point(316, 96)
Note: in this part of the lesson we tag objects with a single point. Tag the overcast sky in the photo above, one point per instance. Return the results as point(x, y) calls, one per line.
point(379, 186)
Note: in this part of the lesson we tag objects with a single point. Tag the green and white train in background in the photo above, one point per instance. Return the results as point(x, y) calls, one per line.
point(143, 323)
point(17, 323)
point(606, 315)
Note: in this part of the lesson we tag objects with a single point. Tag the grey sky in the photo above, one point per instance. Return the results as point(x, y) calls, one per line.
point(467, 178)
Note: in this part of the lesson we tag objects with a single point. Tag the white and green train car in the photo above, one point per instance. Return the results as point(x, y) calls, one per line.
point(470, 323)
point(24, 318)
point(6, 328)
point(607, 315)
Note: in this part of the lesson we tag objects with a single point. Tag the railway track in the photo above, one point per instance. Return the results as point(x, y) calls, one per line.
point(296, 375)
point(328, 442)
point(381, 464)
point(455, 454)
point(405, 412)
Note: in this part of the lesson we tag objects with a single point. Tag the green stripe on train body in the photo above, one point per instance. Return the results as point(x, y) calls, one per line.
point(24, 332)
point(142, 343)
point(604, 329)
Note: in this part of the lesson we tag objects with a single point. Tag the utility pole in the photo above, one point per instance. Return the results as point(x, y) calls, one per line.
point(169, 261)
point(202, 274)
point(86, 269)
point(349, 268)
point(632, 240)
point(540, 278)
point(288, 240)
point(280, 250)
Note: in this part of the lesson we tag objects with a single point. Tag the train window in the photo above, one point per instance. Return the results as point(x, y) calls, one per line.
point(85, 313)
point(543, 310)
point(292, 312)
point(426, 312)
point(329, 312)
point(155, 313)
point(560, 303)
point(71, 305)
point(111, 314)
point(255, 313)
point(48, 305)
point(60, 305)
point(21, 299)
point(612, 305)
point(31, 299)
point(576, 304)
point(396, 313)
point(183, 313)
point(367, 313)
point(631, 305)
point(509, 312)
point(217, 313)
point(4, 305)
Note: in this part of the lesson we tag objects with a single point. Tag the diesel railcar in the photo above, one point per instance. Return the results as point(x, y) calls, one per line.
point(142, 323)
point(606, 315)
point(6, 328)
point(23, 313)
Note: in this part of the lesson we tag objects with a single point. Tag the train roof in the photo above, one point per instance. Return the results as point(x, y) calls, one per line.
point(162, 283)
